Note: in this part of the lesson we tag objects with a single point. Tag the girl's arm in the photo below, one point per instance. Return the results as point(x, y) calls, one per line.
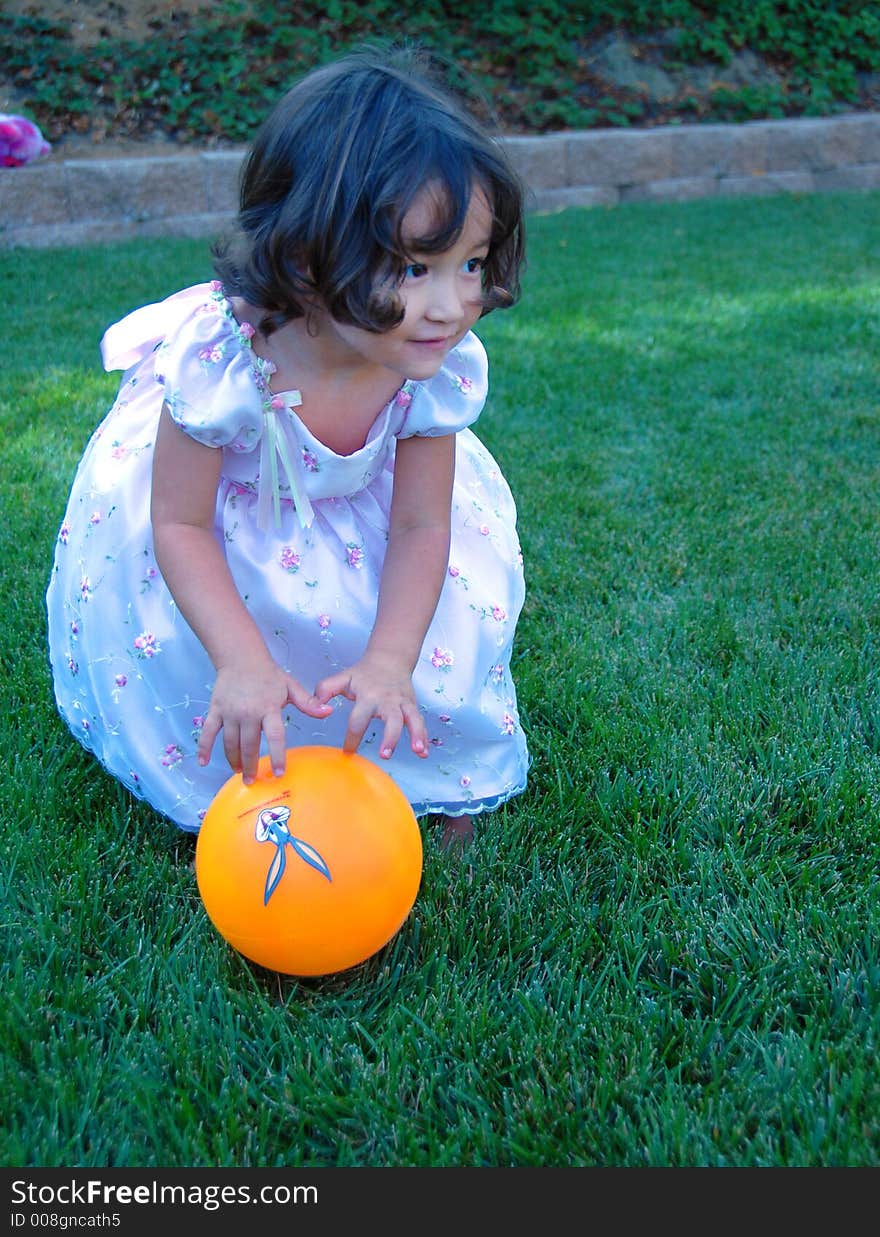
point(416, 559)
point(251, 688)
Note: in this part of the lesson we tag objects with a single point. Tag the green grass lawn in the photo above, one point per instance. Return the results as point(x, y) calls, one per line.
point(667, 952)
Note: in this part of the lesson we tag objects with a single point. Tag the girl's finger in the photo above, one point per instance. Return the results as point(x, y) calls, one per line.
point(358, 721)
point(208, 733)
point(393, 728)
point(307, 702)
point(232, 747)
point(276, 742)
point(249, 739)
point(334, 685)
point(418, 732)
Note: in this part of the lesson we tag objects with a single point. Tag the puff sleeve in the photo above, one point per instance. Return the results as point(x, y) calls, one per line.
point(454, 398)
point(202, 358)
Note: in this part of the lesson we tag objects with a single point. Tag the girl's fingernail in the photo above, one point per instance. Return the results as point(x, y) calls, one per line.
point(386, 752)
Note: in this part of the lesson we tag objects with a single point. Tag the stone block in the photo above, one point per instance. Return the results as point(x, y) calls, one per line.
point(747, 153)
point(819, 143)
point(698, 151)
point(540, 161)
point(32, 196)
point(109, 231)
point(850, 139)
point(549, 201)
point(220, 172)
point(802, 147)
point(62, 235)
point(866, 128)
point(766, 184)
point(674, 189)
point(132, 189)
point(617, 157)
point(716, 149)
point(859, 176)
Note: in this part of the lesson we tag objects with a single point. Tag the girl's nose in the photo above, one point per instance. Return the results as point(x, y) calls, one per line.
point(445, 303)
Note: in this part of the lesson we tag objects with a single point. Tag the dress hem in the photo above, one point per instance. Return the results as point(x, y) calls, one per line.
point(477, 807)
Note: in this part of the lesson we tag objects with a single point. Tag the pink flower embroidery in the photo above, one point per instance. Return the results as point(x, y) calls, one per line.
point(508, 726)
point(403, 399)
point(442, 659)
point(247, 330)
point(355, 555)
point(85, 588)
point(211, 355)
point(454, 572)
point(120, 451)
point(276, 403)
point(147, 645)
point(74, 628)
point(499, 614)
point(95, 517)
point(64, 533)
point(485, 530)
point(444, 718)
point(497, 673)
point(171, 756)
point(310, 460)
point(72, 666)
point(464, 780)
point(289, 559)
point(323, 621)
point(121, 680)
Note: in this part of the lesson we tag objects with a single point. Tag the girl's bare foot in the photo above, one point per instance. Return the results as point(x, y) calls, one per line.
point(458, 832)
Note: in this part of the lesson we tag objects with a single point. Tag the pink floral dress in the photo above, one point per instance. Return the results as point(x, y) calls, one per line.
point(304, 531)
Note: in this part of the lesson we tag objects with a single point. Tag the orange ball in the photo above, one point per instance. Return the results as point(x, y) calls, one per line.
point(312, 872)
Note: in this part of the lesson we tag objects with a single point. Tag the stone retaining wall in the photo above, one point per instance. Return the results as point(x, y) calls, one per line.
point(86, 201)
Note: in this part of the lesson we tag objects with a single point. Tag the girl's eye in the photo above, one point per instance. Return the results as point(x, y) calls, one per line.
point(473, 266)
point(415, 270)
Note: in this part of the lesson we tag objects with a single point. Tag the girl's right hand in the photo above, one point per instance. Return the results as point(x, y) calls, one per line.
point(246, 704)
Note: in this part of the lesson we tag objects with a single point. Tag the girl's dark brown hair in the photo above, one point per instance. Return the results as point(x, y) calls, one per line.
point(331, 174)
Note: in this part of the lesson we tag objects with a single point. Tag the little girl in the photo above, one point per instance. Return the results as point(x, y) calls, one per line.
point(283, 532)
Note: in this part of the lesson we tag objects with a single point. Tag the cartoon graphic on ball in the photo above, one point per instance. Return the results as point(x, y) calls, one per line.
point(312, 872)
point(272, 827)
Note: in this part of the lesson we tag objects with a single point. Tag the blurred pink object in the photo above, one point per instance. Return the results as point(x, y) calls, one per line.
point(20, 141)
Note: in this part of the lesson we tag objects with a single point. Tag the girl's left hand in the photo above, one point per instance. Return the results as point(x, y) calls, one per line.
point(379, 687)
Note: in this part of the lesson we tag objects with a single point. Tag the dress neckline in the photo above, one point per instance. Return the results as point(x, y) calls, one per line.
point(375, 434)
point(263, 369)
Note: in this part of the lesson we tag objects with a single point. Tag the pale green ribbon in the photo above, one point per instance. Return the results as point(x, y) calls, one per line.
point(272, 448)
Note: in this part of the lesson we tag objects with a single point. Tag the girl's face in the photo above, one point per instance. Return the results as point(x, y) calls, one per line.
point(441, 293)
